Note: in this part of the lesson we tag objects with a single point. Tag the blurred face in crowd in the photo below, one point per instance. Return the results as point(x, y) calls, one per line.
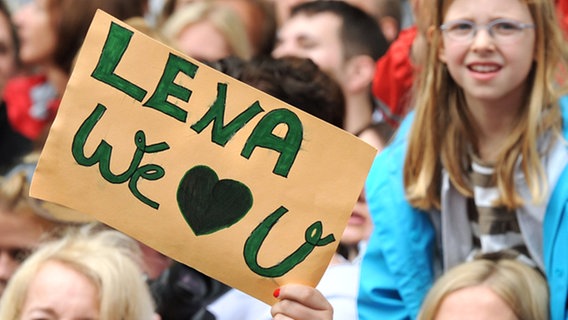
point(478, 302)
point(203, 32)
point(19, 233)
point(59, 292)
point(360, 225)
point(7, 51)
point(36, 32)
point(315, 37)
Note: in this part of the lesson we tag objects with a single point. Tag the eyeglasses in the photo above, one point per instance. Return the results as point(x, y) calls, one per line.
point(502, 30)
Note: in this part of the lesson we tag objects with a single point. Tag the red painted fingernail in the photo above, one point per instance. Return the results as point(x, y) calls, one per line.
point(276, 293)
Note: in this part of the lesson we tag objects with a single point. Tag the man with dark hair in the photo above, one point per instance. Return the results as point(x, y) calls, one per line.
point(344, 42)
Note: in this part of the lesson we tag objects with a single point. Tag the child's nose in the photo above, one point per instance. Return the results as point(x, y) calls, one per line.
point(482, 39)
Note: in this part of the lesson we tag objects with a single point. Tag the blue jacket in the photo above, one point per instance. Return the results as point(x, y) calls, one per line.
point(398, 267)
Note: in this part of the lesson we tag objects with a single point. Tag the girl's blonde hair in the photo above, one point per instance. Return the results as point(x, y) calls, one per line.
point(109, 259)
point(522, 288)
point(442, 129)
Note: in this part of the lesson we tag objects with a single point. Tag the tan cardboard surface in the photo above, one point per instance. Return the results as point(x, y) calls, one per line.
point(256, 198)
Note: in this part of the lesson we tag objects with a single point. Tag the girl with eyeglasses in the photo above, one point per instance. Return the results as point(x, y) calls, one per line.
point(481, 165)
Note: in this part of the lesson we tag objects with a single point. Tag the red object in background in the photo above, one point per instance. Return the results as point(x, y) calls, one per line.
point(562, 9)
point(394, 76)
point(19, 102)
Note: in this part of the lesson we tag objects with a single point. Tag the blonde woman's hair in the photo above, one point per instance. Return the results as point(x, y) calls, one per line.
point(108, 258)
point(521, 287)
point(223, 18)
point(442, 129)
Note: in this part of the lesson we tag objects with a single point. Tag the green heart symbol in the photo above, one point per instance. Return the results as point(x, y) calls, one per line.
point(209, 204)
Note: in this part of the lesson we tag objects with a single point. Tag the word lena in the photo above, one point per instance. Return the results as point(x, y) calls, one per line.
point(288, 146)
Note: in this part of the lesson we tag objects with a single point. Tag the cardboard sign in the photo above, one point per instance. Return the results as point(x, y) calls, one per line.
point(199, 166)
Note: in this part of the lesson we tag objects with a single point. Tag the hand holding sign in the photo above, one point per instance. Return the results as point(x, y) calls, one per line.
point(199, 164)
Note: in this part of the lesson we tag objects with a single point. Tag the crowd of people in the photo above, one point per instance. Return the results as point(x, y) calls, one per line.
point(465, 210)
